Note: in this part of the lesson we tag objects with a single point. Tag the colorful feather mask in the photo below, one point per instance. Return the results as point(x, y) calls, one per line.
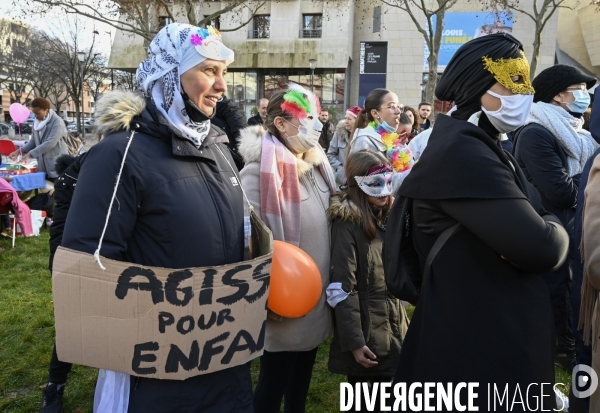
point(303, 105)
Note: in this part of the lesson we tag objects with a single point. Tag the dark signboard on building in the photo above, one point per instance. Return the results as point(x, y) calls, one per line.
point(372, 68)
point(373, 58)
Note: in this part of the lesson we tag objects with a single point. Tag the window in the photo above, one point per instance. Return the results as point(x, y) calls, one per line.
point(163, 21)
point(377, 19)
point(0, 100)
point(261, 27)
point(311, 26)
point(216, 22)
point(8, 41)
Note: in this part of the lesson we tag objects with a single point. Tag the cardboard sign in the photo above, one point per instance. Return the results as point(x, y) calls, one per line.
point(156, 322)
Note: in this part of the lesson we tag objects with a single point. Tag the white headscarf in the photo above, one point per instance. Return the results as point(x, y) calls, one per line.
point(176, 49)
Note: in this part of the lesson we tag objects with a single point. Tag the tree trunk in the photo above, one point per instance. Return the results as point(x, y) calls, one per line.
point(432, 77)
point(537, 44)
point(78, 114)
point(433, 58)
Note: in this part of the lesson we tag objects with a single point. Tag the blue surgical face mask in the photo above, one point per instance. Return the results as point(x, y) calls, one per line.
point(385, 126)
point(582, 101)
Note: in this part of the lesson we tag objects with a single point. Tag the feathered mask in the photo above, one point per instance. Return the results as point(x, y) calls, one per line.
point(301, 104)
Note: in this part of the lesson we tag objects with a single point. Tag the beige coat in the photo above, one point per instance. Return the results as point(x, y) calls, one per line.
point(304, 333)
point(591, 265)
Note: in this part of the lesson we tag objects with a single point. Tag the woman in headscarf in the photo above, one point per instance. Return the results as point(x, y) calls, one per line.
point(480, 236)
point(288, 181)
point(179, 205)
point(47, 138)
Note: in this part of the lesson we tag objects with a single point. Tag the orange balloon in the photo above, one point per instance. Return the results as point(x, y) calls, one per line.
point(296, 284)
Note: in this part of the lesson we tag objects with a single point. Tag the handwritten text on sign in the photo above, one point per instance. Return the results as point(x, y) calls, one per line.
point(156, 322)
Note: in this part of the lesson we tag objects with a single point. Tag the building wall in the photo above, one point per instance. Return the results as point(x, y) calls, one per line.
point(406, 45)
point(13, 34)
point(579, 34)
point(284, 48)
point(345, 25)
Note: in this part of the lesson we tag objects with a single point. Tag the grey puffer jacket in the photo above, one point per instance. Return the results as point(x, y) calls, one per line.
point(370, 315)
point(337, 152)
point(48, 144)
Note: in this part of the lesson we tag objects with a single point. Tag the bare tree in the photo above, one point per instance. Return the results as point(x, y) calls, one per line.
point(145, 17)
point(419, 10)
point(542, 11)
point(58, 95)
point(124, 80)
point(99, 73)
point(42, 80)
point(62, 53)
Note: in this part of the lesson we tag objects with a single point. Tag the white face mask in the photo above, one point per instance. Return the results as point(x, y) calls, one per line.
point(305, 140)
point(512, 114)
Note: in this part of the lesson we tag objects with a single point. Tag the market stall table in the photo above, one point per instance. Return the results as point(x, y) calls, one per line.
point(27, 182)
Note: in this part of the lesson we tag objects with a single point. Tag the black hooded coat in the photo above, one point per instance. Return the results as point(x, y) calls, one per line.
point(480, 317)
point(483, 315)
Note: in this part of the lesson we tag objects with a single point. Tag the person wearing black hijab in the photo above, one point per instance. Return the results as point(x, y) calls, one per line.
point(483, 315)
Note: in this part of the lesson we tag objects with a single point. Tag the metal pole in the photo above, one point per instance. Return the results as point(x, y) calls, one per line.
point(312, 74)
point(112, 79)
point(82, 106)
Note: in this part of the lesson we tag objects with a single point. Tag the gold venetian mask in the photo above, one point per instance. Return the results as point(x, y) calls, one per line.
point(505, 69)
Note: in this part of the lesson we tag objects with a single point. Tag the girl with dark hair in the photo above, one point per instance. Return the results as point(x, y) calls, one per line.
point(481, 237)
point(370, 323)
point(288, 181)
point(47, 138)
point(416, 126)
point(382, 127)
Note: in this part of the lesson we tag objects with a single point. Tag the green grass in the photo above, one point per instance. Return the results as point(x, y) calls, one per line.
point(27, 335)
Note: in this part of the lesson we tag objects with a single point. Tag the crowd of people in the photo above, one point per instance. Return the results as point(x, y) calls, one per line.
point(475, 218)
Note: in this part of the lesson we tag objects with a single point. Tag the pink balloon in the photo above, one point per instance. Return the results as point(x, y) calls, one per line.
point(18, 112)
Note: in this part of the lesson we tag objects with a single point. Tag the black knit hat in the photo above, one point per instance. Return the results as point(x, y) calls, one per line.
point(550, 82)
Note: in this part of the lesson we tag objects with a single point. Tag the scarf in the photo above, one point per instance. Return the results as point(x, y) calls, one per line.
point(398, 153)
point(38, 125)
point(567, 129)
point(174, 50)
point(280, 188)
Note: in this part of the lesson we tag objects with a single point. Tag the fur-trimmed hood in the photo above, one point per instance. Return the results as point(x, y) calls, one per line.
point(341, 131)
point(345, 210)
point(251, 150)
point(116, 109)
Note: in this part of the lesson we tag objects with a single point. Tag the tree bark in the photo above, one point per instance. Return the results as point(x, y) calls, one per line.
point(537, 44)
point(434, 52)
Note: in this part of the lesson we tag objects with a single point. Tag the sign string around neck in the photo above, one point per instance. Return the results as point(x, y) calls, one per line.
point(112, 200)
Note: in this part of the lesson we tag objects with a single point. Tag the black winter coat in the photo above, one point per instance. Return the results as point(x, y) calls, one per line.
point(176, 207)
point(68, 168)
point(544, 163)
point(370, 316)
point(483, 315)
point(255, 120)
point(231, 119)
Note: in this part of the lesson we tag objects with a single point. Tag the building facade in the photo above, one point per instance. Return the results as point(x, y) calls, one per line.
point(280, 40)
point(578, 37)
point(14, 36)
